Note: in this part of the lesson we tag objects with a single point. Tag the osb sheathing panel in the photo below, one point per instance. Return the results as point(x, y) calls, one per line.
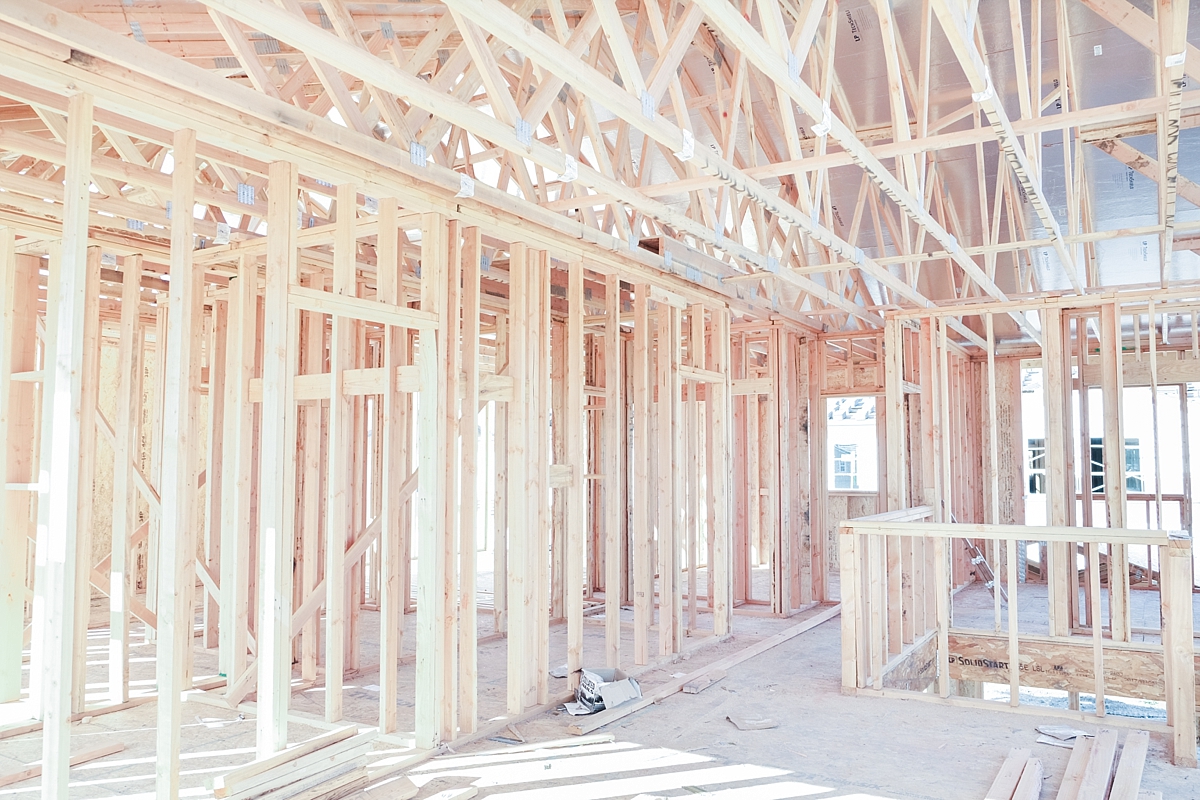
point(917, 670)
point(1010, 442)
point(840, 507)
point(1129, 671)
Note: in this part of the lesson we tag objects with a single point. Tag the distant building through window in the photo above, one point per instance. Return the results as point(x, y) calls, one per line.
point(1036, 466)
point(852, 454)
point(845, 466)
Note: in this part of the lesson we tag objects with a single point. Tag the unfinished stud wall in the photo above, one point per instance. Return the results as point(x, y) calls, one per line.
point(281, 434)
point(902, 630)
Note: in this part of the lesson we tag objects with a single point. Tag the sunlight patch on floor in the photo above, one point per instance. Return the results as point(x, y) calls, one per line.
point(601, 772)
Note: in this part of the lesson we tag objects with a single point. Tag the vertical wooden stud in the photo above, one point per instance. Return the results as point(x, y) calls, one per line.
point(468, 547)
point(432, 612)
point(643, 577)
point(57, 581)
point(273, 588)
point(124, 500)
point(576, 550)
point(614, 424)
point(236, 520)
point(177, 551)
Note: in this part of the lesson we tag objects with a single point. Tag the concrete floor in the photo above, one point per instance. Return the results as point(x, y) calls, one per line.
point(848, 747)
point(826, 745)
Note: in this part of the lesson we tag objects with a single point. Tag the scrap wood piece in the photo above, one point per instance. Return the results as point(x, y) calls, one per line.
point(584, 725)
point(36, 727)
point(305, 783)
point(314, 765)
point(35, 770)
point(1073, 777)
point(1009, 776)
point(221, 785)
point(21, 730)
point(703, 682)
point(1128, 780)
point(1099, 767)
point(339, 786)
point(1030, 786)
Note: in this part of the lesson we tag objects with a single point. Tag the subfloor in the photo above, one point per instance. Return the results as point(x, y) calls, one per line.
point(826, 745)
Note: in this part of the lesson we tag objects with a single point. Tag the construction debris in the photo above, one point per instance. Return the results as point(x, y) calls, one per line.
point(703, 682)
point(601, 689)
point(752, 724)
point(325, 767)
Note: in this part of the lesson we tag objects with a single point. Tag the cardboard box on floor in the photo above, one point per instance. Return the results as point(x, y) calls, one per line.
point(602, 688)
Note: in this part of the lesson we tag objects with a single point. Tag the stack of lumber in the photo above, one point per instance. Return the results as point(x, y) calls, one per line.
point(1089, 774)
point(326, 767)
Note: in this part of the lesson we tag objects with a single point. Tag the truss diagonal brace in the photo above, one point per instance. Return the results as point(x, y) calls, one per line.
point(984, 93)
point(344, 56)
